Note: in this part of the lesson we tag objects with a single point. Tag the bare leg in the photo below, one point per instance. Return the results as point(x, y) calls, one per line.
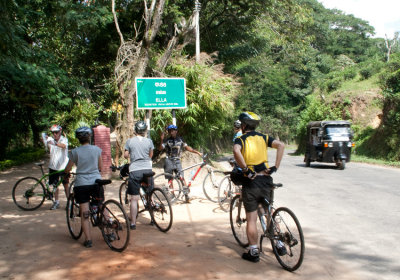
point(134, 208)
point(251, 227)
point(85, 220)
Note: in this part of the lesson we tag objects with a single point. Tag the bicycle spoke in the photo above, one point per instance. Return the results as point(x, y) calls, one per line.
point(170, 185)
point(211, 183)
point(288, 241)
point(161, 210)
point(115, 226)
point(28, 193)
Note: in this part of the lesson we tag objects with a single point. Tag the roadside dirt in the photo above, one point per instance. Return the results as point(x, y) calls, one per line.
point(200, 245)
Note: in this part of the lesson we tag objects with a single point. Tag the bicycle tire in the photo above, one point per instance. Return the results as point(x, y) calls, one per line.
point(71, 188)
point(237, 217)
point(73, 217)
point(287, 229)
point(160, 209)
point(211, 184)
point(161, 182)
point(123, 197)
point(225, 193)
point(28, 193)
point(114, 225)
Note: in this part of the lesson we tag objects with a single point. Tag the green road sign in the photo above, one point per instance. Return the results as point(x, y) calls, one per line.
point(160, 93)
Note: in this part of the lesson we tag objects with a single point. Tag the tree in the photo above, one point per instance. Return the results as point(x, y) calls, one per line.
point(390, 43)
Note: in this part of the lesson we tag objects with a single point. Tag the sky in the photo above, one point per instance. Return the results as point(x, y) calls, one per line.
point(383, 15)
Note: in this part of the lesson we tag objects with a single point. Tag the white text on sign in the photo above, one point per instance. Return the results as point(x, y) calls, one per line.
point(161, 84)
point(161, 92)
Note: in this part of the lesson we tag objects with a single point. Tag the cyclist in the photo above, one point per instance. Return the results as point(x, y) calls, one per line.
point(58, 147)
point(237, 129)
point(140, 151)
point(250, 152)
point(174, 146)
point(87, 159)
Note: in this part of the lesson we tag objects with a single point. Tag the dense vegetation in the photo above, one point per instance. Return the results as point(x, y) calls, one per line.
point(291, 61)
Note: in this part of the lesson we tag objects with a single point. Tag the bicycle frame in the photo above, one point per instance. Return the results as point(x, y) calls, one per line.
point(44, 179)
point(180, 177)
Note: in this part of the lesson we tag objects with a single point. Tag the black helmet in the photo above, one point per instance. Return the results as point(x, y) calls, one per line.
point(237, 124)
point(140, 127)
point(83, 132)
point(249, 118)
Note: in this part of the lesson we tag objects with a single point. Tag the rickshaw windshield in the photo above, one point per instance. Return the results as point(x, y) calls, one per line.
point(337, 130)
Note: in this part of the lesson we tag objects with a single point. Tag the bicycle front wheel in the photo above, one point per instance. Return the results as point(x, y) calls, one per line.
point(225, 193)
point(169, 184)
point(211, 184)
point(237, 216)
point(287, 233)
point(161, 210)
point(114, 225)
point(124, 197)
point(28, 193)
point(73, 217)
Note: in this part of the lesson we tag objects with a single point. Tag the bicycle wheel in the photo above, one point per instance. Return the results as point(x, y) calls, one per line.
point(211, 183)
point(123, 197)
point(225, 193)
point(115, 225)
point(169, 184)
point(28, 193)
point(288, 232)
point(237, 216)
point(73, 217)
point(161, 210)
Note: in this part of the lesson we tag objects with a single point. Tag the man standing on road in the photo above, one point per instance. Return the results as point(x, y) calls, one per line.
point(251, 154)
point(140, 151)
point(58, 147)
point(174, 146)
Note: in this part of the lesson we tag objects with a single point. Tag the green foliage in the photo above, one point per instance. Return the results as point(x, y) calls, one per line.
point(210, 95)
point(82, 113)
point(21, 156)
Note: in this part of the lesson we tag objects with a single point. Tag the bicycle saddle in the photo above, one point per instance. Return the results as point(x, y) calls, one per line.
point(102, 182)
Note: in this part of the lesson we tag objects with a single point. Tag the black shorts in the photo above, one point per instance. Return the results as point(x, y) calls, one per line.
point(53, 178)
point(135, 180)
point(172, 165)
point(254, 192)
point(83, 194)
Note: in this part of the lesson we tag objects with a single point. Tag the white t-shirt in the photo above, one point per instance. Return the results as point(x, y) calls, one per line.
point(58, 156)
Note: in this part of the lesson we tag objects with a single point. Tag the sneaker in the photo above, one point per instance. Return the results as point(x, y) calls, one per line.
point(133, 227)
point(280, 248)
point(88, 243)
point(55, 205)
point(252, 256)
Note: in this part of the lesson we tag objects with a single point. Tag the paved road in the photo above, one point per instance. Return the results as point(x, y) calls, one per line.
point(349, 218)
point(353, 214)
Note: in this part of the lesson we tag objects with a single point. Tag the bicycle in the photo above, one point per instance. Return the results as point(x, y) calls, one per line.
point(29, 192)
point(159, 208)
point(280, 226)
point(227, 189)
point(174, 184)
point(109, 217)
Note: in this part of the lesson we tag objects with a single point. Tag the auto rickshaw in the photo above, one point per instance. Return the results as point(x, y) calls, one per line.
point(329, 141)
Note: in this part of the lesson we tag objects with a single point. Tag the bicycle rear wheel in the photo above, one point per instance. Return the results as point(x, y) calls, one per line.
point(211, 184)
point(287, 231)
point(169, 184)
point(225, 193)
point(114, 225)
point(160, 210)
point(238, 221)
point(28, 193)
point(73, 217)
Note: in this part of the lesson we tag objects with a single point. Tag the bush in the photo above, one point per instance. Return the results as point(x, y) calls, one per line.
point(18, 157)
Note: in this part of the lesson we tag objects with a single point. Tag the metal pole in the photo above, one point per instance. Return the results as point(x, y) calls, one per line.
point(173, 117)
point(197, 7)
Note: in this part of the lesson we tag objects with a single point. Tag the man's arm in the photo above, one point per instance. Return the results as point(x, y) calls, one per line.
point(160, 147)
point(190, 149)
point(280, 147)
point(151, 153)
point(100, 163)
point(69, 166)
point(237, 154)
point(126, 154)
